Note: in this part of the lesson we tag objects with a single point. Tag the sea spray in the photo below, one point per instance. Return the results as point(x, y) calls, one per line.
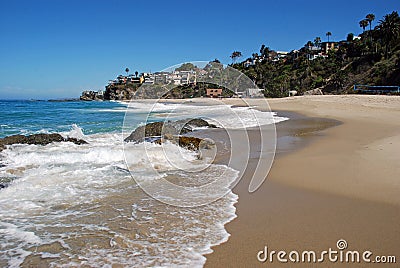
point(71, 205)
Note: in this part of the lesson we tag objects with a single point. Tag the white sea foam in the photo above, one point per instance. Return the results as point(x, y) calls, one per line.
point(55, 179)
point(62, 187)
point(226, 116)
point(75, 132)
point(11, 235)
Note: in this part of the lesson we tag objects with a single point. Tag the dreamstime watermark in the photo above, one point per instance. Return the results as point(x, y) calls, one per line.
point(340, 254)
point(165, 161)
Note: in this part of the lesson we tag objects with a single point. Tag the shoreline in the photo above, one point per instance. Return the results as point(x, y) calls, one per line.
point(324, 188)
point(334, 177)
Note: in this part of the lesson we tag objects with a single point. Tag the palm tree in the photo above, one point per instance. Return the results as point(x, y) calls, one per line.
point(363, 24)
point(370, 17)
point(136, 73)
point(328, 34)
point(238, 54)
point(317, 41)
point(127, 71)
point(389, 29)
point(235, 55)
point(262, 49)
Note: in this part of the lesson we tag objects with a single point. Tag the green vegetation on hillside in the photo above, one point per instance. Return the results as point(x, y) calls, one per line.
point(195, 91)
point(373, 58)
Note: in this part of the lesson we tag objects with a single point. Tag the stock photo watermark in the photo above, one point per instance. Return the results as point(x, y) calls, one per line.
point(169, 121)
point(340, 254)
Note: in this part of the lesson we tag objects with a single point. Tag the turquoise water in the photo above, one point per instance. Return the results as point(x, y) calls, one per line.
point(28, 117)
point(68, 205)
point(80, 205)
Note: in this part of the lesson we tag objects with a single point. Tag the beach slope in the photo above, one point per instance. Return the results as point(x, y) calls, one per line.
point(342, 182)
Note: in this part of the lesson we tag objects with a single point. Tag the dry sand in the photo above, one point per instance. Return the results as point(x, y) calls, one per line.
point(340, 183)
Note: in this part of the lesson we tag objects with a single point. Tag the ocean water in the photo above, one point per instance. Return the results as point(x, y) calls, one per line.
point(69, 205)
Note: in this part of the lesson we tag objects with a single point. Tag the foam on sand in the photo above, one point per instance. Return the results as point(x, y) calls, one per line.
point(62, 188)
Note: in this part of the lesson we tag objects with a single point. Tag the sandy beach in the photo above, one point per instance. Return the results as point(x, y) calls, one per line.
point(335, 178)
point(341, 182)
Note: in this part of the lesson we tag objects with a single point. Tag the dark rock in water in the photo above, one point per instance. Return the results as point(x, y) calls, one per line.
point(160, 132)
point(189, 143)
point(160, 129)
point(196, 122)
point(41, 139)
point(5, 181)
point(76, 141)
point(155, 129)
point(38, 139)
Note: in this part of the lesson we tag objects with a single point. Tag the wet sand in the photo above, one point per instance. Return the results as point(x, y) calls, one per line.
point(332, 179)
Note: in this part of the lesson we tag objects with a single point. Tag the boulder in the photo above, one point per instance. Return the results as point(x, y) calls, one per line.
point(194, 144)
point(196, 122)
point(149, 130)
point(38, 139)
point(5, 181)
point(187, 142)
point(159, 129)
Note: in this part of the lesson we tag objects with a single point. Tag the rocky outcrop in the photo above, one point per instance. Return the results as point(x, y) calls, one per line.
point(120, 92)
point(111, 92)
point(160, 132)
point(189, 143)
point(159, 129)
point(90, 95)
point(39, 139)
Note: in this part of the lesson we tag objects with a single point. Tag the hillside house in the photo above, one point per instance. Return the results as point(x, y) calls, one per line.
point(214, 92)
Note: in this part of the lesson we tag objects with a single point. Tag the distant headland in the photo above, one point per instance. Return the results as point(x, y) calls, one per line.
point(183, 82)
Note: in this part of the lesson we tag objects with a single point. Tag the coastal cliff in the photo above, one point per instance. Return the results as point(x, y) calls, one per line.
point(112, 92)
point(120, 92)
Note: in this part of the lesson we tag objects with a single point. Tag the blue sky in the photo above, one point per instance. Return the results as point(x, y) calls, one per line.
point(58, 48)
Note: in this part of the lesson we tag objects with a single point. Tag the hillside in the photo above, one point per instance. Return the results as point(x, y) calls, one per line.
point(373, 58)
